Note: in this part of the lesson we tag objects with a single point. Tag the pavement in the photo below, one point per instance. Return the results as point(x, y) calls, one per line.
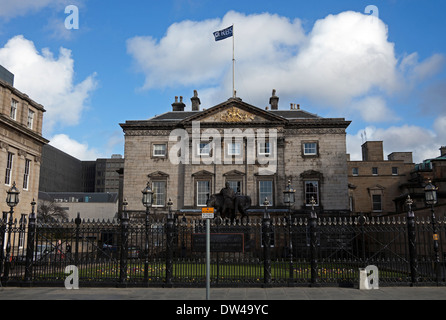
point(224, 294)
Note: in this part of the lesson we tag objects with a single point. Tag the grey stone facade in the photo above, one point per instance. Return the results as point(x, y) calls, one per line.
point(273, 147)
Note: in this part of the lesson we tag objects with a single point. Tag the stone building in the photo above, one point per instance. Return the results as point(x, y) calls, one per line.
point(189, 155)
point(21, 145)
point(374, 183)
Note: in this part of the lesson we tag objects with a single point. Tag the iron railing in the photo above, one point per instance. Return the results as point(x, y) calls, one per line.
point(276, 251)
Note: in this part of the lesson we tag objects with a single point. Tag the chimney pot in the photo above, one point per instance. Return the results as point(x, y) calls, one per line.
point(195, 101)
point(274, 101)
point(178, 106)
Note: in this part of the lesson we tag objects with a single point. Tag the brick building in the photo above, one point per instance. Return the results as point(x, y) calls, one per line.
point(188, 155)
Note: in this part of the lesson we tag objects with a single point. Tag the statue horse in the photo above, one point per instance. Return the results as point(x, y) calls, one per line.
point(228, 208)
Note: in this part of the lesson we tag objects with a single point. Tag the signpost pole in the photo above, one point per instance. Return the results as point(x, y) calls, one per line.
point(208, 213)
point(208, 258)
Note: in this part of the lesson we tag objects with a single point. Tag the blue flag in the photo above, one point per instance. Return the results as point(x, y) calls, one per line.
point(223, 34)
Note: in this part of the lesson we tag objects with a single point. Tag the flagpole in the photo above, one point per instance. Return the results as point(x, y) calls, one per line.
point(233, 62)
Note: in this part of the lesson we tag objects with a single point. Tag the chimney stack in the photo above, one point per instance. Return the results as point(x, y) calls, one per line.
point(442, 151)
point(178, 106)
point(274, 101)
point(195, 101)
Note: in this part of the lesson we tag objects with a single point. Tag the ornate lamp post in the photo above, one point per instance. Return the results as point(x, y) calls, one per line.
point(12, 200)
point(289, 199)
point(430, 193)
point(147, 200)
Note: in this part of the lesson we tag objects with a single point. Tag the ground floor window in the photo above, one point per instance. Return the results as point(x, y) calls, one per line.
point(311, 192)
point(159, 193)
point(266, 191)
point(203, 192)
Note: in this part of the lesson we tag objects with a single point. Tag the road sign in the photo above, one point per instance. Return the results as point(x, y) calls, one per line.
point(207, 213)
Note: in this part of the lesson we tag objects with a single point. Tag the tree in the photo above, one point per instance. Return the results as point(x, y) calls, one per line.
point(49, 211)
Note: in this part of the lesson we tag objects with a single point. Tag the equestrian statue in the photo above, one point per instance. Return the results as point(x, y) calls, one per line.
point(227, 203)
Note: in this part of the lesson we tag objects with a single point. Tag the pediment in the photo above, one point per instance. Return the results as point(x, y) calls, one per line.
point(202, 173)
point(234, 111)
point(157, 174)
point(234, 173)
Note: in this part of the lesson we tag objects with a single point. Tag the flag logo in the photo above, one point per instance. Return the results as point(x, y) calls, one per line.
point(223, 34)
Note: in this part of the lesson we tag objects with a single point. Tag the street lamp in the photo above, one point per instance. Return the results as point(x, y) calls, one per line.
point(430, 193)
point(147, 196)
point(12, 200)
point(288, 195)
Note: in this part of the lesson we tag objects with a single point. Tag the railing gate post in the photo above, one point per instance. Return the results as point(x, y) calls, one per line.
point(412, 243)
point(313, 246)
point(30, 244)
point(266, 242)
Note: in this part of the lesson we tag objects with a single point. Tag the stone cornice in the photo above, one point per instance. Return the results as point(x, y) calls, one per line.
point(22, 96)
point(22, 129)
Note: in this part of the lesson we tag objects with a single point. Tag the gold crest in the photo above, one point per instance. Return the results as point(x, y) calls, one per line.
point(236, 115)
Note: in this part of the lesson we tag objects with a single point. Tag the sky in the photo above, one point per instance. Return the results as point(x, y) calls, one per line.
point(94, 64)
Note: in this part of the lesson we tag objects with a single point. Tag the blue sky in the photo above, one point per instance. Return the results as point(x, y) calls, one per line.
point(384, 71)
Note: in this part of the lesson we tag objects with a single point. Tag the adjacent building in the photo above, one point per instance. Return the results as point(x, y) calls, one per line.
point(21, 143)
point(374, 183)
point(430, 170)
point(187, 155)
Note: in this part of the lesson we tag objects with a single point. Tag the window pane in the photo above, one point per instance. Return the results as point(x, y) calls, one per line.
point(159, 150)
point(265, 191)
point(13, 109)
point(203, 191)
point(310, 148)
point(234, 149)
point(30, 119)
point(311, 190)
point(264, 148)
point(8, 168)
point(235, 185)
point(159, 193)
point(26, 174)
point(204, 148)
point(376, 198)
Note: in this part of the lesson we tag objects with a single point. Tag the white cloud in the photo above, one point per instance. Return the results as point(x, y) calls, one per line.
point(188, 54)
point(374, 109)
point(423, 143)
point(9, 9)
point(345, 62)
point(48, 80)
point(74, 148)
point(344, 56)
point(416, 71)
